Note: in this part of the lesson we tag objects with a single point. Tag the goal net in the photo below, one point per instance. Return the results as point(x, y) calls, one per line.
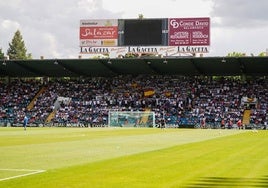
point(131, 119)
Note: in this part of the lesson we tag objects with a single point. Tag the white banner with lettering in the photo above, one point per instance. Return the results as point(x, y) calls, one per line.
point(158, 50)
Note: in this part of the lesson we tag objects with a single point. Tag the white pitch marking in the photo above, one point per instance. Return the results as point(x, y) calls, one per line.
point(31, 172)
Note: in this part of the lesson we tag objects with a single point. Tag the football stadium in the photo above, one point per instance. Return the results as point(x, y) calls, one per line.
point(143, 114)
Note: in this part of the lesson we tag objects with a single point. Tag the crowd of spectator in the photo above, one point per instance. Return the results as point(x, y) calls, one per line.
point(181, 101)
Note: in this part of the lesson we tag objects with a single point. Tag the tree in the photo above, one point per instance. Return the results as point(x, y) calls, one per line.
point(262, 54)
point(2, 55)
point(236, 54)
point(17, 49)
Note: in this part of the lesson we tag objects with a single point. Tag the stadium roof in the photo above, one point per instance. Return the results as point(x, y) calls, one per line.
point(189, 66)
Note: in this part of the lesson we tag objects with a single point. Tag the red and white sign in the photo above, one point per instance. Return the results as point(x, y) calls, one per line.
point(189, 31)
point(99, 32)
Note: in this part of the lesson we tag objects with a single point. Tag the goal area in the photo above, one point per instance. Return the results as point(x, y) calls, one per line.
point(131, 119)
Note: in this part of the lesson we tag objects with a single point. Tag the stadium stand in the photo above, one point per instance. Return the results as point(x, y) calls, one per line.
point(186, 91)
point(184, 101)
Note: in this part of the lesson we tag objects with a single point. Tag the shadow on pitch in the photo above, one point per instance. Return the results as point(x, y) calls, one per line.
point(208, 182)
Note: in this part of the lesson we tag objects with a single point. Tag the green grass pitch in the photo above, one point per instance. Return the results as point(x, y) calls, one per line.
point(132, 157)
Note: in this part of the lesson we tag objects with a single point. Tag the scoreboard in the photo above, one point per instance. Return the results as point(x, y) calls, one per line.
point(158, 35)
point(143, 32)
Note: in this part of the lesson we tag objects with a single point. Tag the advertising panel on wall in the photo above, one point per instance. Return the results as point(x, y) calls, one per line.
point(189, 31)
point(98, 32)
point(115, 52)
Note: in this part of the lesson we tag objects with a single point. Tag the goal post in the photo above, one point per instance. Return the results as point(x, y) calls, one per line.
point(131, 119)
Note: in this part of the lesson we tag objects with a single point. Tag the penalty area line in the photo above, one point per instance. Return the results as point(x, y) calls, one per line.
point(29, 172)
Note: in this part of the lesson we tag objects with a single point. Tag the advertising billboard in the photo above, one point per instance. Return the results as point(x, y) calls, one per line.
point(98, 32)
point(189, 31)
point(161, 36)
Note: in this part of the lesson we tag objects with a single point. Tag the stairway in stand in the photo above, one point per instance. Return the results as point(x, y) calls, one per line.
point(51, 116)
point(246, 117)
point(31, 105)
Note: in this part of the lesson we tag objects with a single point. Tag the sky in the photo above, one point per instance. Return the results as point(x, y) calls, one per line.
point(51, 28)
